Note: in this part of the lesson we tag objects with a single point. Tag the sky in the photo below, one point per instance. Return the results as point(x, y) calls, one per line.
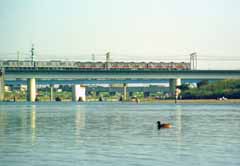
point(131, 30)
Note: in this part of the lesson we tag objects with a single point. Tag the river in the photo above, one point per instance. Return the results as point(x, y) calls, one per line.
point(122, 134)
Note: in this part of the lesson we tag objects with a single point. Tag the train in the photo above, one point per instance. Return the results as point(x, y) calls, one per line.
point(15, 64)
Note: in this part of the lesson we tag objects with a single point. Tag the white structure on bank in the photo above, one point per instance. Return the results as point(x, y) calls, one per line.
point(78, 93)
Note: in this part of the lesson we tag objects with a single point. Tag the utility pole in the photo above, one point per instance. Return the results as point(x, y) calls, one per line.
point(107, 60)
point(190, 61)
point(196, 60)
point(18, 57)
point(93, 57)
point(193, 60)
point(107, 57)
point(32, 54)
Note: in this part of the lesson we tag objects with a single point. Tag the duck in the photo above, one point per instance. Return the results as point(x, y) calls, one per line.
point(163, 125)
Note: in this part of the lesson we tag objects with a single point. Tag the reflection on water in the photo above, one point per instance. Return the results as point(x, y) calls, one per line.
point(118, 134)
point(80, 124)
point(179, 124)
point(33, 123)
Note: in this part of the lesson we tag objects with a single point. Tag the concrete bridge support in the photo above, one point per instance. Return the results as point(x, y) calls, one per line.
point(31, 92)
point(1, 84)
point(178, 82)
point(78, 93)
point(124, 91)
point(51, 92)
point(173, 83)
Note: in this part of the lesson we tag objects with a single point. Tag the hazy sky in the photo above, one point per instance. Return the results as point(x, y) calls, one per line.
point(129, 29)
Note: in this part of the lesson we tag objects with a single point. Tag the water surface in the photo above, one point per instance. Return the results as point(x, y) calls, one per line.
point(99, 134)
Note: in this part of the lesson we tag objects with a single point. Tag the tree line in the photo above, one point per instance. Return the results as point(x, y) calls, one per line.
point(212, 90)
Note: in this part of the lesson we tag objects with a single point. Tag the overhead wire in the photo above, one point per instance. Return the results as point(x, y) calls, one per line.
point(120, 57)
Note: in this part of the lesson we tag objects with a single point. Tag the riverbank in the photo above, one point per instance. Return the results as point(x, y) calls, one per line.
point(201, 101)
point(190, 101)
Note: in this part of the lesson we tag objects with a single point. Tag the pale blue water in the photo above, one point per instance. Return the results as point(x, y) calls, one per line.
point(104, 134)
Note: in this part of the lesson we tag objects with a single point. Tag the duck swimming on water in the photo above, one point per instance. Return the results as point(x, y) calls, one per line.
point(163, 125)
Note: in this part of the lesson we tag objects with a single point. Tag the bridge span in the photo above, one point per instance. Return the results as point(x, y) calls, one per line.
point(121, 74)
point(174, 76)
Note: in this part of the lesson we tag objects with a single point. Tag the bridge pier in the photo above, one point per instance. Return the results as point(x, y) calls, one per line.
point(31, 92)
point(173, 83)
point(124, 91)
point(78, 93)
point(51, 92)
point(1, 84)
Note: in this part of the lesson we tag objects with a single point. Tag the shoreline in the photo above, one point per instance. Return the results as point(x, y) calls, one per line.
point(201, 101)
point(186, 101)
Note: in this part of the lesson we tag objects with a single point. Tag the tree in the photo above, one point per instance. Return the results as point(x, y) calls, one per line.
point(202, 83)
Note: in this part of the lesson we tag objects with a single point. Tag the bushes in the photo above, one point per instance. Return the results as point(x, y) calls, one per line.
point(227, 88)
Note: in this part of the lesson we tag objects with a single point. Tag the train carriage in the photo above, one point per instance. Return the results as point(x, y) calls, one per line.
point(95, 65)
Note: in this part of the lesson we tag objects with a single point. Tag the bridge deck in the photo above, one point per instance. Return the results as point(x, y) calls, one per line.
point(120, 74)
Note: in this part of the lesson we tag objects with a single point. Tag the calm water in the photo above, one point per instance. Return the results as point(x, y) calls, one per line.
point(96, 134)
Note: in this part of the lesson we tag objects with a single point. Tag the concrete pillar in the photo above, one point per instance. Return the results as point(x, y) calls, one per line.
point(124, 91)
point(31, 84)
point(173, 83)
point(178, 82)
point(178, 91)
point(1, 84)
point(78, 93)
point(51, 92)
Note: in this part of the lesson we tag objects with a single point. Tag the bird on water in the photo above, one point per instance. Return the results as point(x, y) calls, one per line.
point(163, 125)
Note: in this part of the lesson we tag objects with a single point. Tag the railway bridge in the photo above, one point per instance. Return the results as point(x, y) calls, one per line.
point(124, 75)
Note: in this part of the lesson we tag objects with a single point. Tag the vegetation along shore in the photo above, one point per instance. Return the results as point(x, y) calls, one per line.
point(217, 92)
